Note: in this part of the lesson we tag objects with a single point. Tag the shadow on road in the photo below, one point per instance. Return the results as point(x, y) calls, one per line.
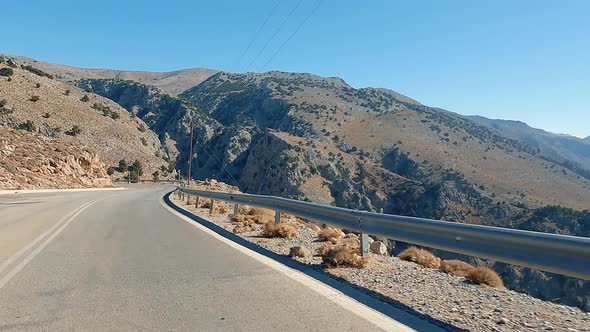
point(383, 304)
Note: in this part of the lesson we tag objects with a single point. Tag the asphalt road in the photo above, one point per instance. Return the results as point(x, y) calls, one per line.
point(119, 260)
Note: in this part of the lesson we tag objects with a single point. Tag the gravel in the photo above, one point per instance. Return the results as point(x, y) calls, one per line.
point(426, 292)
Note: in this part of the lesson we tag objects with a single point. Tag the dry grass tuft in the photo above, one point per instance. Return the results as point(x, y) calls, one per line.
point(323, 249)
point(299, 252)
point(236, 217)
point(238, 229)
point(205, 203)
point(330, 234)
point(456, 267)
point(421, 257)
point(223, 209)
point(345, 256)
point(279, 230)
point(258, 211)
point(485, 276)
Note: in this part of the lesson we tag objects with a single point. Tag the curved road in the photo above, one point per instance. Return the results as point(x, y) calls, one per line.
point(119, 260)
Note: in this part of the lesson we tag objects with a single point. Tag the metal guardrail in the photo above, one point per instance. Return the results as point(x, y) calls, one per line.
point(567, 255)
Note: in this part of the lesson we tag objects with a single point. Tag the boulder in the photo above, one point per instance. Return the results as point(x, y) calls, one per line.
point(378, 247)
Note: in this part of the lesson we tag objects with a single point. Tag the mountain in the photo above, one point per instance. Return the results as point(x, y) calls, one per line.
point(31, 100)
point(556, 146)
point(171, 83)
point(316, 138)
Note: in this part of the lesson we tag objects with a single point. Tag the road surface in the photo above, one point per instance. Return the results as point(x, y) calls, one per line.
point(119, 260)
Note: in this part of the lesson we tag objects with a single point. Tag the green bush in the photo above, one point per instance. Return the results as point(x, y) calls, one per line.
point(38, 85)
point(67, 93)
point(6, 72)
point(74, 131)
point(3, 103)
point(29, 126)
point(34, 98)
point(122, 166)
point(110, 170)
point(36, 71)
point(85, 99)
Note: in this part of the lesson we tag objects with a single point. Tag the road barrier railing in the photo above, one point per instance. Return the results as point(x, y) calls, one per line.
point(562, 254)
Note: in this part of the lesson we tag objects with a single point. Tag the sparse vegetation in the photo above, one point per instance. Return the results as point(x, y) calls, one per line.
point(84, 99)
point(279, 230)
point(46, 115)
point(299, 251)
point(67, 92)
point(331, 234)
point(111, 170)
point(456, 267)
point(485, 276)
point(421, 257)
point(38, 85)
point(345, 256)
point(29, 126)
point(143, 141)
point(36, 71)
point(6, 72)
point(34, 98)
point(74, 131)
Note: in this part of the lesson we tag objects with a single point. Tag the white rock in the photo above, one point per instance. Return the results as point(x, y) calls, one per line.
point(377, 247)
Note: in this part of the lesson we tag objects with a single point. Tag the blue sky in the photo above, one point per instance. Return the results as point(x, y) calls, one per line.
point(522, 60)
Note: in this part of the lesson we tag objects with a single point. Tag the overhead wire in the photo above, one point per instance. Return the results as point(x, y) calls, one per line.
point(275, 33)
point(319, 3)
point(258, 32)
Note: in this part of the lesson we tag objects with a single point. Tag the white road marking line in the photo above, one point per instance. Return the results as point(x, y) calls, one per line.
point(364, 312)
point(68, 219)
point(26, 248)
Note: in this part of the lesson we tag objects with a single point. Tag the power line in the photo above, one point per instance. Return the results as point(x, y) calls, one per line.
point(320, 2)
point(258, 32)
point(276, 32)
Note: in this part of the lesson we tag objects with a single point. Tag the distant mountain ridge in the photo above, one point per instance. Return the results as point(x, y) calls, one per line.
point(173, 83)
point(557, 146)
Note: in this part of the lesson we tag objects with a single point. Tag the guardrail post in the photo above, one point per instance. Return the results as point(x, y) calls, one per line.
point(188, 199)
point(197, 202)
point(277, 217)
point(236, 208)
point(211, 206)
point(364, 244)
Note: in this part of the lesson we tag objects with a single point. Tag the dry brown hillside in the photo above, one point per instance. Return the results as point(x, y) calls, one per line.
point(392, 131)
point(173, 83)
point(54, 109)
point(30, 160)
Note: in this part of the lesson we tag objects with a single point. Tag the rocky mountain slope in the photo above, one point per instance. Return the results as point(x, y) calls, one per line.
point(33, 102)
point(172, 83)
point(30, 160)
point(556, 146)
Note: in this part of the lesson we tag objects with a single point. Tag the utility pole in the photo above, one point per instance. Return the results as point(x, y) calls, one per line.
point(190, 155)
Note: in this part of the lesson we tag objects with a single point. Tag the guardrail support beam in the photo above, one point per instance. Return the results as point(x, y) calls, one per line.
point(277, 217)
point(364, 244)
point(236, 208)
point(211, 206)
point(197, 202)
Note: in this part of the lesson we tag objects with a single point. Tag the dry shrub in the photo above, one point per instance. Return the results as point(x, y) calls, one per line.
point(299, 252)
point(238, 229)
point(223, 209)
point(485, 276)
point(345, 256)
point(279, 230)
point(420, 256)
point(330, 234)
point(261, 219)
point(258, 211)
point(456, 267)
point(205, 203)
point(323, 249)
point(236, 217)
